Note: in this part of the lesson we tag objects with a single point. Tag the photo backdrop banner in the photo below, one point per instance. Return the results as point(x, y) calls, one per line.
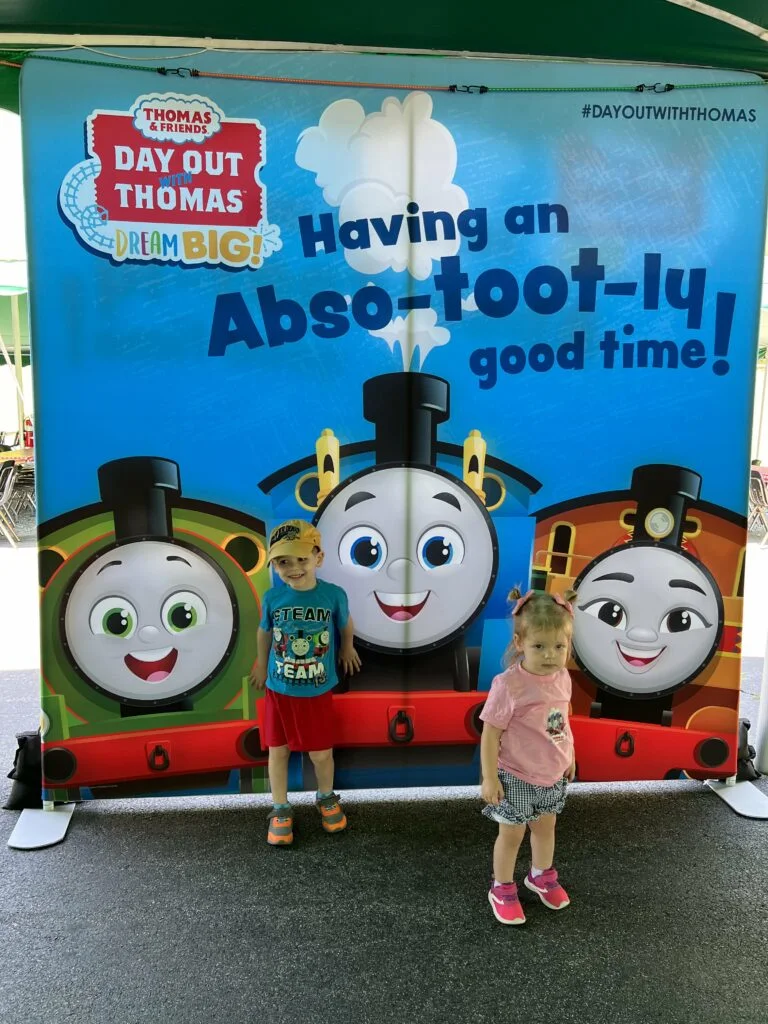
point(481, 336)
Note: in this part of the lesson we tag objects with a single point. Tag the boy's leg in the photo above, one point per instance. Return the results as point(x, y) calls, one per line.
point(280, 830)
point(323, 764)
point(278, 774)
point(331, 812)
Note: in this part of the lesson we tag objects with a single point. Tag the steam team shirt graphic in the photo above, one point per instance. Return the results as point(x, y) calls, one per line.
point(302, 658)
point(172, 180)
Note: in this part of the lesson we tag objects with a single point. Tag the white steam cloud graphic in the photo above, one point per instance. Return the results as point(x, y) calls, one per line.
point(418, 330)
point(374, 165)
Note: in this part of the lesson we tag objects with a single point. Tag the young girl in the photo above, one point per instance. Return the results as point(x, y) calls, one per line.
point(527, 750)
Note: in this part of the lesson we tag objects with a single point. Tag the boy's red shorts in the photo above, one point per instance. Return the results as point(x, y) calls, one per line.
point(300, 723)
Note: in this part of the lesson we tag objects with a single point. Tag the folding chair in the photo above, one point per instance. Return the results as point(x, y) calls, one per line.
point(757, 520)
point(23, 494)
point(7, 481)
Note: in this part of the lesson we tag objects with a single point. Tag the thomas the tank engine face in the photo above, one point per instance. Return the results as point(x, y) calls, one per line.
point(149, 621)
point(415, 552)
point(646, 620)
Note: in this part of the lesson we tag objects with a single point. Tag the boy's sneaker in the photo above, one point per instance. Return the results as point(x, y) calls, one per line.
point(280, 831)
point(332, 813)
point(505, 903)
point(548, 889)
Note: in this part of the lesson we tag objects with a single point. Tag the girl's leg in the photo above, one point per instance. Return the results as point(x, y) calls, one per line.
point(278, 773)
point(543, 841)
point(505, 852)
point(323, 763)
point(543, 877)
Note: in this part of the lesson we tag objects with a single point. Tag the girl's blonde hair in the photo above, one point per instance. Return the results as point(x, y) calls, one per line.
point(541, 612)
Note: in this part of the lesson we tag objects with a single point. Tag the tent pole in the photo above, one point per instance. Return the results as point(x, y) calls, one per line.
point(16, 324)
point(758, 436)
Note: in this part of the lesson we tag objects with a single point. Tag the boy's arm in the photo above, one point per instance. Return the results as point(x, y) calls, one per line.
point(259, 670)
point(348, 656)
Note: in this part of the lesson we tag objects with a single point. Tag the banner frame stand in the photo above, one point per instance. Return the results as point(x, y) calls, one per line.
point(744, 798)
point(37, 829)
point(761, 741)
point(48, 825)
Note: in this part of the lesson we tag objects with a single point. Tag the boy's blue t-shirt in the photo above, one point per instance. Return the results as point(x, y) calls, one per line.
point(303, 623)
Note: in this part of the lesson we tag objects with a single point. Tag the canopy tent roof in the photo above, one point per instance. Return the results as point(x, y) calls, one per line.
point(729, 34)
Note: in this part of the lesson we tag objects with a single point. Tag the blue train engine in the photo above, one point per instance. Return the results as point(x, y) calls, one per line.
point(425, 537)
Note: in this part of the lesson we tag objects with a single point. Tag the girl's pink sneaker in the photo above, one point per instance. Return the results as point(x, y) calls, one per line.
point(548, 889)
point(505, 903)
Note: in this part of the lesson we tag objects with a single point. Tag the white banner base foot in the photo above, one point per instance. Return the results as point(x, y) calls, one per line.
point(742, 797)
point(37, 829)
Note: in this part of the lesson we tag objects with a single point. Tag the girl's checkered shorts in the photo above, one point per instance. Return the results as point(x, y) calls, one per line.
point(524, 802)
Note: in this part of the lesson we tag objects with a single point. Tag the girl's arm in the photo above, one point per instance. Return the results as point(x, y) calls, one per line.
point(491, 788)
point(259, 670)
point(348, 656)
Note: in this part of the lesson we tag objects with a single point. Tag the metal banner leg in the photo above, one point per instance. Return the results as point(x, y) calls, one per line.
point(744, 797)
point(37, 829)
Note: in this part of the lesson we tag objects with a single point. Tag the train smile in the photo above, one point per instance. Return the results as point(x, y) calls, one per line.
point(402, 607)
point(152, 666)
point(640, 659)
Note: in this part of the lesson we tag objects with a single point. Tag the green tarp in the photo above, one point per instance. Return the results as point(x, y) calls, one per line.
point(641, 31)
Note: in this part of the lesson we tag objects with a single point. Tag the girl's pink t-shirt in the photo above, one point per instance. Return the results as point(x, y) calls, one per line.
point(537, 743)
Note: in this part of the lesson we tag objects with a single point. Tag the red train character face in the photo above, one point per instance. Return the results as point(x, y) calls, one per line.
point(648, 615)
point(647, 620)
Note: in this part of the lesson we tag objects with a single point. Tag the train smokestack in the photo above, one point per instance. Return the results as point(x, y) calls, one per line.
point(663, 494)
point(406, 409)
point(137, 490)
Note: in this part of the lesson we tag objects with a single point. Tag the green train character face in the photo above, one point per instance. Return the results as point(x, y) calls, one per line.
point(147, 621)
point(153, 616)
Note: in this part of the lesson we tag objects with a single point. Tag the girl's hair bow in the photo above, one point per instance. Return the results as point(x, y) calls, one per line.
point(521, 601)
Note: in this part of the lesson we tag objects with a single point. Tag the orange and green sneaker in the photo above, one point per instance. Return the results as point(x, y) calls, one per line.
point(331, 813)
point(280, 831)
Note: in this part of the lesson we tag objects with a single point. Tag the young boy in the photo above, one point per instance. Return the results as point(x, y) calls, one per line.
point(296, 661)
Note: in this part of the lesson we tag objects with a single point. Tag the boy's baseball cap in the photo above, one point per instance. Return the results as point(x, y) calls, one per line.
point(294, 537)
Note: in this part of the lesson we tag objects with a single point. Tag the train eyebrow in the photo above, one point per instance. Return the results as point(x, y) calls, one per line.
point(116, 562)
point(622, 577)
point(177, 558)
point(450, 499)
point(357, 497)
point(688, 586)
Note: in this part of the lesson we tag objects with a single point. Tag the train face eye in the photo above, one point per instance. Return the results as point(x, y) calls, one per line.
point(114, 616)
point(363, 547)
point(609, 612)
point(440, 547)
point(681, 620)
point(183, 610)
